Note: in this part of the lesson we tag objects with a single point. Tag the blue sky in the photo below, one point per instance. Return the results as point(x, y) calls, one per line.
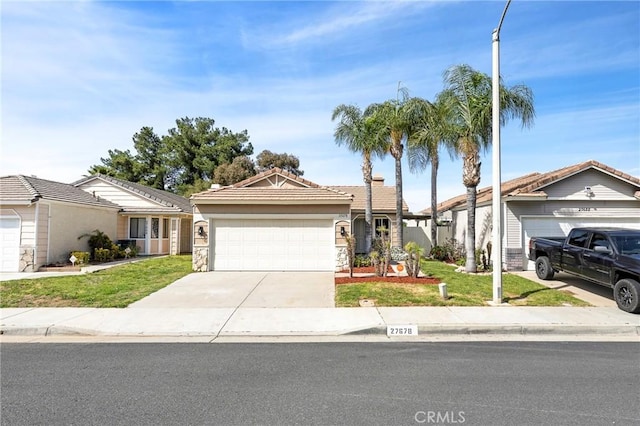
point(79, 78)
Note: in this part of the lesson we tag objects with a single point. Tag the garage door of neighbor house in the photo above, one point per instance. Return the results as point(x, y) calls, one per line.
point(273, 245)
point(560, 227)
point(9, 244)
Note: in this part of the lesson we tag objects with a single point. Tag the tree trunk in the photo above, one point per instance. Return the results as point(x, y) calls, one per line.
point(470, 242)
point(471, 178)
point(368, 210)
point(399, 218)
point(434, 200)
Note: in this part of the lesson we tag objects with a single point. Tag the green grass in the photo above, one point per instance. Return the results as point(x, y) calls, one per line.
point(463, 290)
point(115, 287)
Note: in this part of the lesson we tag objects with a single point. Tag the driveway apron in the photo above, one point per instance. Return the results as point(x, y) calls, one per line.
point(245, 289)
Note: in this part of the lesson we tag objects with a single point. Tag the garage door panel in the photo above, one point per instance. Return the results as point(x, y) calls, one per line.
point(273, 244)
point(9, 244)
point(561, 226)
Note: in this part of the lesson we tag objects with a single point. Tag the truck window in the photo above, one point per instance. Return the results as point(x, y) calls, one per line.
point(578, 238)
point(599, 240)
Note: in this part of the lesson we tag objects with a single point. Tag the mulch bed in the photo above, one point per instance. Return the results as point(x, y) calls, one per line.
point(390, 278)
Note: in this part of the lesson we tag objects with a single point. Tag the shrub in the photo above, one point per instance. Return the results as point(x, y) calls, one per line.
point(451, 251)
point(414, 256)
point(82, 257)
point(381, 253)
point(102, 255)
point(361, 261)
point(98, 240)
point(351, 252)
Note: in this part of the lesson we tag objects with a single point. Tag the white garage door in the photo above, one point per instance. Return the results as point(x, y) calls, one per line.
point(9, 244)
point(560, 227)
point(273, 245)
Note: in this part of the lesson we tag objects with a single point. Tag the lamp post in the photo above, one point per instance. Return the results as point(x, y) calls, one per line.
point(496, 187)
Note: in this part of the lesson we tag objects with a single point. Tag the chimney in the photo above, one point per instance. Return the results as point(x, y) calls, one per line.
point(377, 180)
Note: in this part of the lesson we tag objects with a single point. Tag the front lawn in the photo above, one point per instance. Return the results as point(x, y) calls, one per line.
point(116, 287)
point(463, 290)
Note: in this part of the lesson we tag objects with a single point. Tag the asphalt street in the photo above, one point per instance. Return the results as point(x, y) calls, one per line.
point(479, 383)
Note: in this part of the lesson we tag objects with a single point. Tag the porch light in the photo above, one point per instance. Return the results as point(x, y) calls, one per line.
point(201, 230)
point(342, 231)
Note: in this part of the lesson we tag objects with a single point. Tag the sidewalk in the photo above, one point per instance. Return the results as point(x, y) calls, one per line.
point(227, 322)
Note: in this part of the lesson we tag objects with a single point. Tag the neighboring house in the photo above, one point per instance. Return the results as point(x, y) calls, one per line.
point(41, 220)
point(279, 221)
point(159, 222)
point(547, 204)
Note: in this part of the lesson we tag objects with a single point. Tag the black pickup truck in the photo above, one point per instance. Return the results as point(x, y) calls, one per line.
point(607, 256)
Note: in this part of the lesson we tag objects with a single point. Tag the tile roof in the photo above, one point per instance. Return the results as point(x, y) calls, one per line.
point(245, 191)
point(27, 189)
point(383, 198)
point(531, 185)
point(165, 198)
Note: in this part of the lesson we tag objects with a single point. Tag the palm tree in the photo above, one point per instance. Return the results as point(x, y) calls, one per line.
point(394, 120)
point(468, 95)
point(431, 133)
point(353, 131)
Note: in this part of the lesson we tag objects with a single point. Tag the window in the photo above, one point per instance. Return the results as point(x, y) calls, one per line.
point(165, 228)
point(598, 240)
point(155, 227)
point(137, 227)
point(381, 223)
point(578, 238)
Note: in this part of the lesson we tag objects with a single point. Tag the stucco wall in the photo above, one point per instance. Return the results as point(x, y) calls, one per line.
point(68, 222)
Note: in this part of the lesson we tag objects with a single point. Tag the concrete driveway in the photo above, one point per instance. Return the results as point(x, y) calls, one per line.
point(247, 290)
point(593, 293)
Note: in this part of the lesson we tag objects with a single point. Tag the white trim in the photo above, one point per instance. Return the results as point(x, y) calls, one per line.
point(292, 216)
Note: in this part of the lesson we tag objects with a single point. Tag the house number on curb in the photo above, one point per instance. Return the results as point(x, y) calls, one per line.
point(402, 330)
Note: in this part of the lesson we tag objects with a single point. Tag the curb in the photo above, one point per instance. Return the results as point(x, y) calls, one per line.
point(441, 330)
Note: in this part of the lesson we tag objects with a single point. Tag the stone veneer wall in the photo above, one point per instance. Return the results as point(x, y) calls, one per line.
point(27, 259)
point(200, 259)
point(342, 259)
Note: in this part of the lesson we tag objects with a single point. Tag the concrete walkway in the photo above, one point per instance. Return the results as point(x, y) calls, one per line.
point(216, 322)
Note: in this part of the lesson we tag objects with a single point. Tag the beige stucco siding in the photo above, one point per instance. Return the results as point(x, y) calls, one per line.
point(123, 228)
point(27, 216)
point(68, 222)
point(483, 224)
point(42, 235)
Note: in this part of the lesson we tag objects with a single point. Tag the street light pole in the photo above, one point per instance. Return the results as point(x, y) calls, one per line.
point(496, 187)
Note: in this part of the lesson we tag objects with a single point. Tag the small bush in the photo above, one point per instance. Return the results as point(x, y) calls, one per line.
point(103, 255)
point(98, 240)
point(413, 259)
point(381, 252)
point(361, 261)
point(82, 257)
point(451, 252)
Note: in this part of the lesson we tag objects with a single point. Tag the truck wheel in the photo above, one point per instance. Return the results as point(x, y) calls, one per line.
point(544, 271)
point(627, 295)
